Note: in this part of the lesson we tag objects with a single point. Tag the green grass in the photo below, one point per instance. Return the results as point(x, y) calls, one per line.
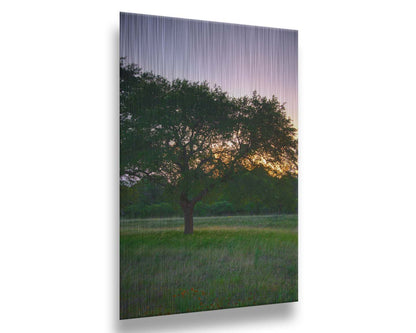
point(227, 262)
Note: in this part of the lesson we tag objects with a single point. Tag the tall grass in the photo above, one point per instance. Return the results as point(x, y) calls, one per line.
point(227, 262)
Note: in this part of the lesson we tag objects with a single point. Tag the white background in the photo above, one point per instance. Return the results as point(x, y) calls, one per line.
point(59, 159)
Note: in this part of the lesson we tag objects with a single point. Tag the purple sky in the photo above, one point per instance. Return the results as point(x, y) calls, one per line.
point(238, 58)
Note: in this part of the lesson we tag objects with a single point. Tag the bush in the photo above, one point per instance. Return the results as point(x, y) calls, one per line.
point(163, 209)
point(134, 211)
point(221, 208)
point(201, 209)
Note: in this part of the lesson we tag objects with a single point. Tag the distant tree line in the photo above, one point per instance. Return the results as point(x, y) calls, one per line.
point(251, 192)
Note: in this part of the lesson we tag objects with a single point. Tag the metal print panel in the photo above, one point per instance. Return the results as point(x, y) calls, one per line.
point(208, 166)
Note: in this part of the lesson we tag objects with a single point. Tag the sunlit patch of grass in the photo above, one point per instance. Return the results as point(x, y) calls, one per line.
point(219, 266)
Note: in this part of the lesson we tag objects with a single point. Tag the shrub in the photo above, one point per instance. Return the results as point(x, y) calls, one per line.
point(134, 211)
point(163, 209)
point(221, 208)
point(201, 209)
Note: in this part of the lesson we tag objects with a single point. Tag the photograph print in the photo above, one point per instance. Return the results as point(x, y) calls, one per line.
point(208, 165)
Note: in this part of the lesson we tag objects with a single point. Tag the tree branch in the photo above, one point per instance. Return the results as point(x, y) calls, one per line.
point(202, 194)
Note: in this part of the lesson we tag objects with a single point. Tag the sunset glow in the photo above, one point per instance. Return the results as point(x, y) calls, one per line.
point(240, 59)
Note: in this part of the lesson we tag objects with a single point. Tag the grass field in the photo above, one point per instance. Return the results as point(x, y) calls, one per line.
point(227, 262)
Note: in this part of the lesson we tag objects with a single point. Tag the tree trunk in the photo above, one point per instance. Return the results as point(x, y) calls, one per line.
point(188, 209)
point(188, 213)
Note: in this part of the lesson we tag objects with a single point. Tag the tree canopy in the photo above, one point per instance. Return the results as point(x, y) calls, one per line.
point(189, 137)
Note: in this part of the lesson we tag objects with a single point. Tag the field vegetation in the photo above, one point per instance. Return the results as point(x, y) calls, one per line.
point(229, 261)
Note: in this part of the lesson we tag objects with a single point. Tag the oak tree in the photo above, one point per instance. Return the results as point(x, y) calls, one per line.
point(189, 137)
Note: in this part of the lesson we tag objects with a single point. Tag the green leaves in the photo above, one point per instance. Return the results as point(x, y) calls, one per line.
point(189, 137)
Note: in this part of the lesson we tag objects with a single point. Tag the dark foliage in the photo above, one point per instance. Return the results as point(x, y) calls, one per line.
point(191, 139)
